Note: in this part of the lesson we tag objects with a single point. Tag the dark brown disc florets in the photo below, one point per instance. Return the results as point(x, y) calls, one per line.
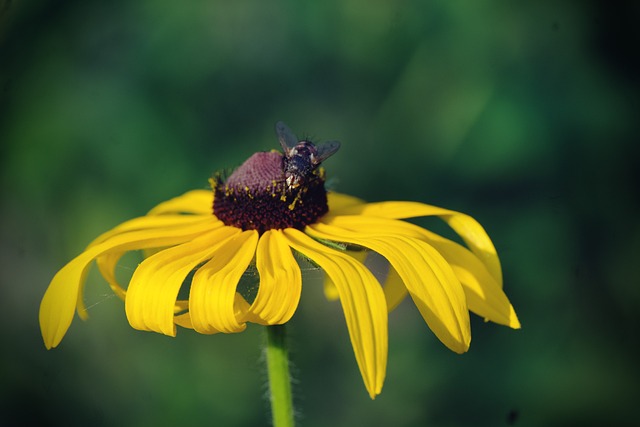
point(256, 196)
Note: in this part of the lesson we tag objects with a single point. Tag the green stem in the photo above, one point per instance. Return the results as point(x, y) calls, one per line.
point(279, 379)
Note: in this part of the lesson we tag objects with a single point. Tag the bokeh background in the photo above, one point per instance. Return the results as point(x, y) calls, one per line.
point(522, 114)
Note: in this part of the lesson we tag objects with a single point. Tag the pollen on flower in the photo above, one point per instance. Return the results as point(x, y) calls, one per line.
point(256, 196)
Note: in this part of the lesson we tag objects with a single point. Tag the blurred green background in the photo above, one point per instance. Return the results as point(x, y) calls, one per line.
point(518, 113)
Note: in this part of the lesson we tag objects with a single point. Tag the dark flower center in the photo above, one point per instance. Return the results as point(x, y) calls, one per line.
point(256, 196)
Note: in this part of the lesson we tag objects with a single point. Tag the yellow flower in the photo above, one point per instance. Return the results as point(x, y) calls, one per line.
point(261, 216)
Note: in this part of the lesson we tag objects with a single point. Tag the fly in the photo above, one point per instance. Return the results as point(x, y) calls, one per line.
point(302, 158)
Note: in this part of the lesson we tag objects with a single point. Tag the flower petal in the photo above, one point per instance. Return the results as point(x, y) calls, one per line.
point(154, 287)
point(107, 266)
point(485, 296)
point(192, 202)
point(330, 290)
point(394, 289)
point(59, 301)
point(184, 319)
point(213, 301)
point(151, 222)
point(65, 290)
point(363, 304)
point(280, 280)
point(428, 277)
point(339, 201)
point(468, 228)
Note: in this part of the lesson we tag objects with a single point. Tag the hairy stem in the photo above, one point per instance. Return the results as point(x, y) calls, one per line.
point(279, 379)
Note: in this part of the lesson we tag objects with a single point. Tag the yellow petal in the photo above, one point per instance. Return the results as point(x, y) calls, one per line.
point(330, 290)
point(181, 305)
point(107, 266)
point(363, 304)
point(478, 241)
point(184, 319)
point(213, 301)
point(65, 290)
point(485, 295)
point(280, 280)
point(192, 202)
point(154, 287)
point(151, 222)
point(394, 289)
point(338, 201)
point(468, 228)
point(59, 301)
point(428, 277)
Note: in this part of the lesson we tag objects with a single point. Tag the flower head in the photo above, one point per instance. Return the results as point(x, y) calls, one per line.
point(271, 208)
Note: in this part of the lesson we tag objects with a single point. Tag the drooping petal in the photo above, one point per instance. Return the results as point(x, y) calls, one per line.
point(150, 223)
point(363, 304)
point(485, 296)
point(184, 320)
point(392, 286)
point(65, 289)
point(468, 228)
point(59, 301)
point(154, 287)
point(428, 277)
point(192, 202)
point(339, 201)
point(181, 306)
point(478, 241)
point(107, 265)
point(213, 298)
point(395, 210)
point(280, 280)
point(330, 290)
point(241, 308)
point(108, 261)
point(394, 289)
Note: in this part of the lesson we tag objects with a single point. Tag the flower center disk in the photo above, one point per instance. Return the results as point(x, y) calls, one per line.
point(256, 196)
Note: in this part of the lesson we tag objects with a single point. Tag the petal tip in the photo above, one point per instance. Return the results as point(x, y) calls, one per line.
point(50, 340)
point(514, 321)
point(48, 344)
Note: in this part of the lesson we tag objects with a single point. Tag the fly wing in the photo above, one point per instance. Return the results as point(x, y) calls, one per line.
point(288, 139)
point(326, 150)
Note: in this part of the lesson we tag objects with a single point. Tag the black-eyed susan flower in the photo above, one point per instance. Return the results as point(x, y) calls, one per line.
point(270, 209)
